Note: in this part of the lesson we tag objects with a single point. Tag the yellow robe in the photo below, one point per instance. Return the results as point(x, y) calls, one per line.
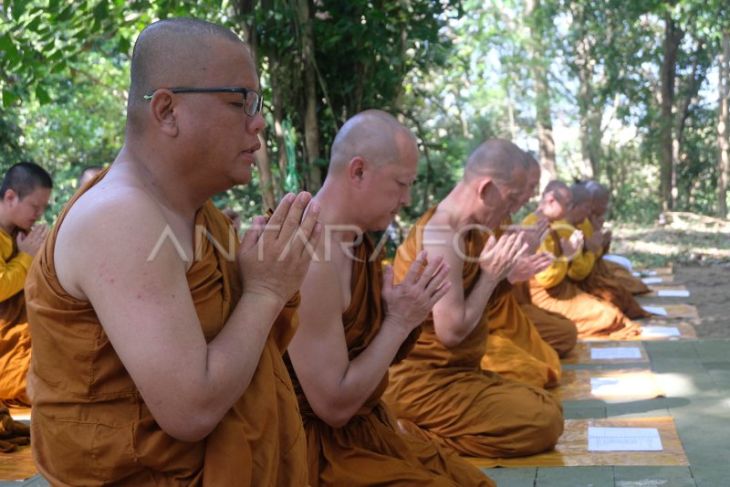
point(370, 449)
point(442, 393)
point(14, 333)
point(553, 290)
point(90, 424)
point(602, 284)
point(515, 349)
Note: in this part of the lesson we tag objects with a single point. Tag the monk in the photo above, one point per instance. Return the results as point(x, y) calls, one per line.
point(440, 390)
point(355, 322)
point(157, 338)
point(25, 190)
point(557, 330)
point(515, 348)
point(599, 281)
point(554, 289)
point(616, 272)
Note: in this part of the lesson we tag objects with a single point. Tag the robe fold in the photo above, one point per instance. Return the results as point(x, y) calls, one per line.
point(14, 332)
point(623, 276)
point(12, 433)
point(370, 449)
point(90, 424)
point(554, 291)
point(557, 330)
point(602, 284)
point(444, 394)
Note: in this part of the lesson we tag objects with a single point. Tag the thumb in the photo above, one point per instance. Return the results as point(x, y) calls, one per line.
point(252, 235)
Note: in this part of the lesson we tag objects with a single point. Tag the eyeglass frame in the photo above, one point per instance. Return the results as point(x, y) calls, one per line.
point(225, 89)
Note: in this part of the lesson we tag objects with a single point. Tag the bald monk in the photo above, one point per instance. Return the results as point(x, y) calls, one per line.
point(615, 272)
point(440, 390)
point(25, 191)
point(515, 348)
point(554, 289)
point(355, 322)
point(555, 329)
point(157, 339)
point(599, 281)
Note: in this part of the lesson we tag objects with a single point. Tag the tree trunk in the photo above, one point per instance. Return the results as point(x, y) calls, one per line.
point(672, 37)
point(311, 124)
point(542, 90)
point(723, 127)
point(262, 155)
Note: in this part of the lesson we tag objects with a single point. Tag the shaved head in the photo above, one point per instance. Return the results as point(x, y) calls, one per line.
point(496, 159)
point(580, 193)
point(555, 186)
point(373, 135)
point(600, 196)
point(174, 52)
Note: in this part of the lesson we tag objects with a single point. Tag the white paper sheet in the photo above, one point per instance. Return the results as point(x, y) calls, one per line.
point(656, 310)
point(660, 331)
point(624, 439)
point(652, 280)
point(615, 353)
point(673, 293)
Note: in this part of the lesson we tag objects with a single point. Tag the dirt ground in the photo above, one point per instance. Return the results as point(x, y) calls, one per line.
point(709, 288)
point(698, 249)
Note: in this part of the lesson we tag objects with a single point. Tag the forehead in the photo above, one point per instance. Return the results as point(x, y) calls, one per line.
point(231, 64)
point(39, 195)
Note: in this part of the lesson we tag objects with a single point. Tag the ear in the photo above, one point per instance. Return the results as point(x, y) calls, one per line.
point(356, 170)
point(483, 187)
point(10, 197)
point(163, 107)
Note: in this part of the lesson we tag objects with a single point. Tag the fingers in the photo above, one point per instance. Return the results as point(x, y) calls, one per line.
point(293, 219)
point(437, 278)
point(252, 235)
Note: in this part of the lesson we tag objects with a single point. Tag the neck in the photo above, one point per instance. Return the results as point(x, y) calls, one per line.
point(5, 222)
point(458, 206)
point(334, 215)
point(171, 188)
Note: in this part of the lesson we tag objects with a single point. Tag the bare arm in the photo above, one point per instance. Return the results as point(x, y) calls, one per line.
point(455, 316)
point(147, 311)
point(335, 386)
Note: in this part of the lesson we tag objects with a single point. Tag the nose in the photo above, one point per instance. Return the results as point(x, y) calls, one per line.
point(256, 123)
point(406, 199)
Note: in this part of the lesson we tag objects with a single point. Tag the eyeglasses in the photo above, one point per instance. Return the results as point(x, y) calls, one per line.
point(252, 101)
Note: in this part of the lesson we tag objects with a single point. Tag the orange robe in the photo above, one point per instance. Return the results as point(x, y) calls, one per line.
point(557, 330)
point(623, 276)
point(90, 424)
point(444, 394)
point(14, 333)
point(515, 349)
point(554, 290)
point(370, 449)
point(602, 284)
point(12, 433)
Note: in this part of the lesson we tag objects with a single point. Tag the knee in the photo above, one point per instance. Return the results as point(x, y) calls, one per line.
point(569, 339)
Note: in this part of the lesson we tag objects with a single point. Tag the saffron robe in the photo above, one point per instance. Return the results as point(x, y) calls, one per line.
point(14, 332)
point(443, 393)
point(90, 424)
point(557, 330)
point(370, 449)
point(602, 284)
point(554, 290)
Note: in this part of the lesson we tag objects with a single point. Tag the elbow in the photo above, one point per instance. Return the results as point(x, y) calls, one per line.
point(335, 417)
point(189, 421)
point(190, 431)
point(449, 338)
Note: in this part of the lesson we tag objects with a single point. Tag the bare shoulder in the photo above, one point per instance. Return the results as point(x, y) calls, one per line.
point(440, 238)
point(109, 225)
point(321, 289)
